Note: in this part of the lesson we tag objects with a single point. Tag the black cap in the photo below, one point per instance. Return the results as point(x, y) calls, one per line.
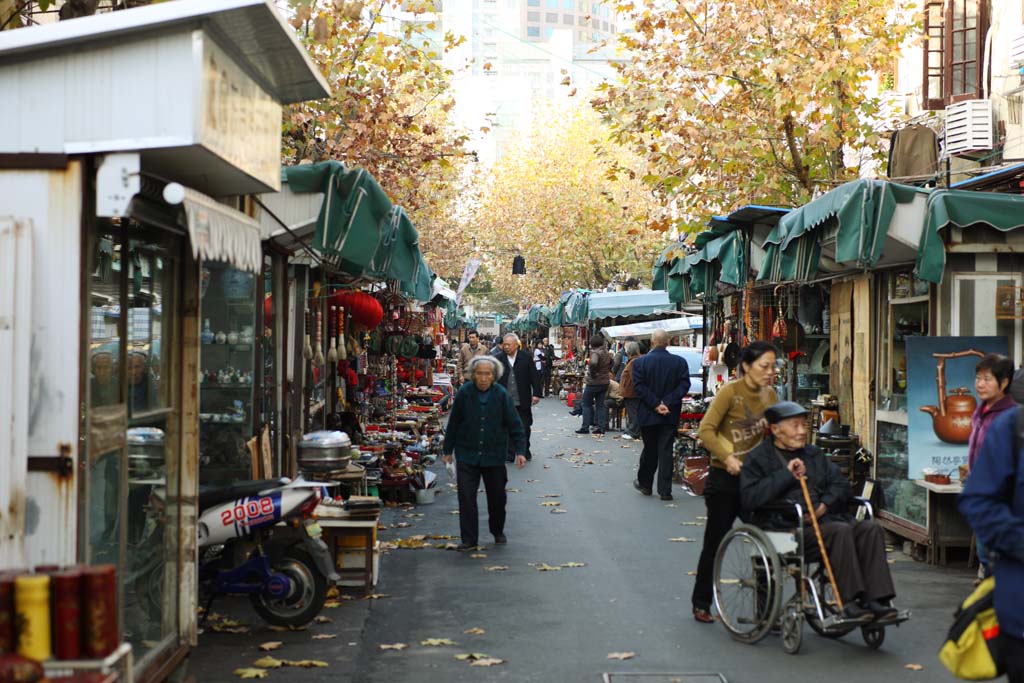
point(784, 410)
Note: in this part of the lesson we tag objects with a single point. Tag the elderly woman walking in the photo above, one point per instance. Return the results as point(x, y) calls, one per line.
point(482, 423)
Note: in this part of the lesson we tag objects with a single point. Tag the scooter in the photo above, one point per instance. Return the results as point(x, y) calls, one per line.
point(245, 549)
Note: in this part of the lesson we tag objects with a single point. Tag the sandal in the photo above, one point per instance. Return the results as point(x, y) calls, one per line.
point(703, 616)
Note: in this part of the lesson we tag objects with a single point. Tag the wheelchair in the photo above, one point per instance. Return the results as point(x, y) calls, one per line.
point(751, 566)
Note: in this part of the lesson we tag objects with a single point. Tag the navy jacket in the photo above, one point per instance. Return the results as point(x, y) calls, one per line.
point(479, 435)
point(993, 504)
point(660, 377)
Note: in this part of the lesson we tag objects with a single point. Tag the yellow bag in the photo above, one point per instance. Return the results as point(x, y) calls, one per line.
point(972, 647)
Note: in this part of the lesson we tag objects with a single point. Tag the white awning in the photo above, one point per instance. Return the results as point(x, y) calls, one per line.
point(674, 326)
point(220, 233)
point(441, 288)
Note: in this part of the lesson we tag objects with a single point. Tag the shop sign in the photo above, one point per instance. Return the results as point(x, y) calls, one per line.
point(1009, 303)
point(240, 121)
point(941, 400)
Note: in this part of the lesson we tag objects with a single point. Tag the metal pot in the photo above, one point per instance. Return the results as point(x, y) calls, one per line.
point(146, 451)
point(325, 451)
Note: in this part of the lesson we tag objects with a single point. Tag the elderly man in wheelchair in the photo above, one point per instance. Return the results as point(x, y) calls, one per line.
point(848, 587)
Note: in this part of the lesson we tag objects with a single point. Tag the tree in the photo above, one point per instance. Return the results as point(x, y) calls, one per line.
point(564, 198)
point(389, 111)
point(733, 102)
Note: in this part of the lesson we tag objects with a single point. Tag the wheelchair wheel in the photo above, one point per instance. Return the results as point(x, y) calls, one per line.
point(748, 584)
point(873, 636)
point(829, 607)
point(792, 626)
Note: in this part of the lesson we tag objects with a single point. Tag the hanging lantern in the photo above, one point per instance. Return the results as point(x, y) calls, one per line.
point(366, 311)
point(519, 266)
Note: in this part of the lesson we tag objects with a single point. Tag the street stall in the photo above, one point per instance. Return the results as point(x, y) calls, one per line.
point(112, 216)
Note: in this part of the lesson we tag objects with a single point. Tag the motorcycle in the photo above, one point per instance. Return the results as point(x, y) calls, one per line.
point(245, 550)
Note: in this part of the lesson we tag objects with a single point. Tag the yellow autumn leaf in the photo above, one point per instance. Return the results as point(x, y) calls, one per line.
point(621, 655)
point(437, 642)
point(324, 636)
point(914, 667)
point(571, 565)
point(392, 646)
point(544, 567)
point(307, 663)
point(251, 673)
point(471, 656)
point(269, 662)
point(497, 568)
point(487, 661)
point(271, 645)
point(475, 631)
point(681, 539)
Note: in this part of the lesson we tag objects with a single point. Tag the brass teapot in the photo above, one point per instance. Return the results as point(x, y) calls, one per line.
point(951, 419)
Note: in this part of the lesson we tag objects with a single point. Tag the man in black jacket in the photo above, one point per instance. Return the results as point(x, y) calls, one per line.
point(521, 379)
point(769, 488)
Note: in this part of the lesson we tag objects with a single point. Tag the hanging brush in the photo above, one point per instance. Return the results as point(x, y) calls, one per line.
point(332, 355)
point(307, 350)
point(342, 351)
point(318, 358)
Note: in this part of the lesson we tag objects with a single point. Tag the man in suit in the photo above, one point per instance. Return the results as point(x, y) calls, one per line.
point(660, 380)
point(522, 380)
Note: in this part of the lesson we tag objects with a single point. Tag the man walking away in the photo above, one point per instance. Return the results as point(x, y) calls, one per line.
point(599, 374)
point(661, 380)
point(468, 352)
point(628, 392)
point(521, 379)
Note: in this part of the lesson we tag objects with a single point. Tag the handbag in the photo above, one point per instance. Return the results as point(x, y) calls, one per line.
point(973, 650)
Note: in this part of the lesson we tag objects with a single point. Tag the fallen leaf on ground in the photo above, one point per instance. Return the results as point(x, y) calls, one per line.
point(497, 568)
point(544, 567)
point(333, 592)
point(453, 512)
point(376, 596)
point(512, 491)
point(471, 656)
point(600, 491)
point(392, 646)
point(320, 619)
point(478, 556)
point(671, 505)
point(550, 504)
point(268, 663)
point(441, 537)
point(702, 518)
point(551, 495)
point(488, 661)
point(412, 542)
point(573, 565)
point(272, 645)
point(226, 628)
point(559, 511)
point(437, 642)
point(475, 631)
point(681, 539)
point(415, 514)
point(532, 481)
point(691, 573)
point(324, 636)
point(691, 523)
point(447, 546)
point(331, 604)
point(403, 525)
point(547, 467)
point(307, 663)
point(251, 673)
point(621, 655)
point(914, 667)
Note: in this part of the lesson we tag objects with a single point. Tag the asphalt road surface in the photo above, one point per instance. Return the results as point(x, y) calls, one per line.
point(632, 594)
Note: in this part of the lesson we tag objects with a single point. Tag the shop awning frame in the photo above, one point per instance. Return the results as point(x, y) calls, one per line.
point(220, 233)
point(627, 304)
point(674, 326)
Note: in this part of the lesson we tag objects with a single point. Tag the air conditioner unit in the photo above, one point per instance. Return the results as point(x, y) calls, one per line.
point(1017, 47)
point(968, 127)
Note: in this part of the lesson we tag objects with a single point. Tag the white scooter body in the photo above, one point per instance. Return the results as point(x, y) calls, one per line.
point(240, 517)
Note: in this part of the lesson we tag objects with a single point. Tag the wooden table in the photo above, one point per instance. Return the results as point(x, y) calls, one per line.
point(946, 528)
point(338, 523)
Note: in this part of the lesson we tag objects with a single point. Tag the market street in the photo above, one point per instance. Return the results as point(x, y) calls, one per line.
point(632, 595)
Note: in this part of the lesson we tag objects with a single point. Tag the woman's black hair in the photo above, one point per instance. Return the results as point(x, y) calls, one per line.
point(754, 350)
point(1000, 366)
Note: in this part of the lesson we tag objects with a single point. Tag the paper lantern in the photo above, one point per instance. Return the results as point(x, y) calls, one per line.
point(365, 310)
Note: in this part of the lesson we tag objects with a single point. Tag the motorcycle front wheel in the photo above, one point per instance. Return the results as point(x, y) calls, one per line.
point(305, 600)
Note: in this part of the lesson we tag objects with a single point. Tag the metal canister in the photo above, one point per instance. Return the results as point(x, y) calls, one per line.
point(66, 592)
point(325, 451)
point(99, 600)
point(32, 606)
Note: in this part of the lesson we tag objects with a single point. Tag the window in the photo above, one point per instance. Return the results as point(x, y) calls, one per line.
point(551, 17)
point(533, 31)
point(581, 20)
point(568, 5)
point(954, 42)
point(533, 3)
point(567, 19)
point(548, 32)
point(533, 16)
point(551, 4)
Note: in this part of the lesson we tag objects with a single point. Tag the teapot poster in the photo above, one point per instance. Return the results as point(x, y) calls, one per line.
point(941, 399)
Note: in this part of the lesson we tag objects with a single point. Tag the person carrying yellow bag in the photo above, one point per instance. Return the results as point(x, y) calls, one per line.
point(992, 502)
point(973, 649)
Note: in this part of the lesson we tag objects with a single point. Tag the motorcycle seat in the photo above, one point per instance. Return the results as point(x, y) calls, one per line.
point(214, 495)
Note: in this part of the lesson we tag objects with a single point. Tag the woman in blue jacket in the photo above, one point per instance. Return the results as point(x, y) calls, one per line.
point(992, 502)
point(483, 421)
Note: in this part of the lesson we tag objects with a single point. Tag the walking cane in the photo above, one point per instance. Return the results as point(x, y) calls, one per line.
point(821, 541)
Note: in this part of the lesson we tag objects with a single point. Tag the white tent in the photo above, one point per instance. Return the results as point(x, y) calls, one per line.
point(674, 326)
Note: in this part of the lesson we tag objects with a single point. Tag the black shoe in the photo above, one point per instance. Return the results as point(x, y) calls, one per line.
point(582, 431)
point(500, 539)
point(575, 413)
point(666, 496)
point(854, 612)
point(466, 547)
point(881, 612)
point(641, 489)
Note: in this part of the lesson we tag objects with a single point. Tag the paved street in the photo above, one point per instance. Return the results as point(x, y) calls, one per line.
point(632, 595)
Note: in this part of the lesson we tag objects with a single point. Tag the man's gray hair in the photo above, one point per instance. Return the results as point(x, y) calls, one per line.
point(511, 335)
point(632, 349)
point(496, 367)
point(659, 338)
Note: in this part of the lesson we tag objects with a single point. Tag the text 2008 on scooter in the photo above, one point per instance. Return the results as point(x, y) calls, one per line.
point(244, 548)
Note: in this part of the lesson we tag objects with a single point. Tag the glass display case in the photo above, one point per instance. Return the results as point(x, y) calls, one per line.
point(899, 496)
point(904, 313)
point(227, 372)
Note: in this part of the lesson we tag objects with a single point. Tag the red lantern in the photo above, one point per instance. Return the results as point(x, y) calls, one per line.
point(365, 309)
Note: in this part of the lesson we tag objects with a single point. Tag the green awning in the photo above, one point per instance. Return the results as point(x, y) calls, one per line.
point(962, 209)
point(577, 307)
point(627, 304)
point(419, 282)
point(722, 258)
point(849, 225)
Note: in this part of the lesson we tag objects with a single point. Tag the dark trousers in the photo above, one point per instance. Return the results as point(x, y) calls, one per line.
point(1013, 656)
point(857, 554)
point(657, 456)
point(632, 408)
point(722, 498)
point(526, 416)
point(595, 412)
point(546, 384)
point(468, 478)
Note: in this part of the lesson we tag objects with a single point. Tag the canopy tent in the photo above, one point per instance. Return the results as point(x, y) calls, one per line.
point(664, 262)
point(626, 304)
point(962, 209)
point(575, 307)
point(674, 326)
point(861, 224)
